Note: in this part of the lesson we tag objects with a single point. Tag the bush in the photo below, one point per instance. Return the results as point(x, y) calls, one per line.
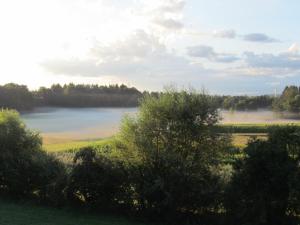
point(288, 138)
point(97, 181)
point(259, 191)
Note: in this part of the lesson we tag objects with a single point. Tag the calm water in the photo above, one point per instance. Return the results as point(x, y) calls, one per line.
point(76, 123)
point(89, 123)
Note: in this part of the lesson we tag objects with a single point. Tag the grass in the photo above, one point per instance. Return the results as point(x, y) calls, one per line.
point(258, 128)
point(21, 214)
point(73, 145)
point(241, 140)
point(241, 134)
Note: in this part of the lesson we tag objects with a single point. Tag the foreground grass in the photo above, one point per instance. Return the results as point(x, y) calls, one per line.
point(25, 214)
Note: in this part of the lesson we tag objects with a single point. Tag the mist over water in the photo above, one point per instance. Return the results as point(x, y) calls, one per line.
point(92, 123)
point(259, 116)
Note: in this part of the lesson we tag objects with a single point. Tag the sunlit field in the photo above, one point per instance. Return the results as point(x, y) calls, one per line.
point(74, 145)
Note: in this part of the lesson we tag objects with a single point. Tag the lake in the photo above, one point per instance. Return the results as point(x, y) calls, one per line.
point(59, 124)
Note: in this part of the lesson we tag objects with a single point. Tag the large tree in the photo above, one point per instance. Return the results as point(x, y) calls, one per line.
point(173, 147)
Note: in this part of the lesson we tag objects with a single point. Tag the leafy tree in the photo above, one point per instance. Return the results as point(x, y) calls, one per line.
point(24, 168)
point(15, 96)
point(172, 148)
point(289, 100)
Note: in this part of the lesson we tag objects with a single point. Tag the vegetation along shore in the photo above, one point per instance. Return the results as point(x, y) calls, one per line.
point(171, 163)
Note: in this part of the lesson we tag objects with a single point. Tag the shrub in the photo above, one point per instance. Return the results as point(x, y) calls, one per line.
point(288, 138)
point(259, 191)
point(97, 181)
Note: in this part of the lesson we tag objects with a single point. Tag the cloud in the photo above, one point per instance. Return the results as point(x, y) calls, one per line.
point(137, 57)
point(294, 48)
point(230, 34)
point(172, 6)
point(283, 60)
point(207, 52)
point(166, 14)
point(259, 37)
point(169, 23)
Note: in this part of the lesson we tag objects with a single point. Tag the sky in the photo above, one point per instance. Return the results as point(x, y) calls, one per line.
point(224, 46)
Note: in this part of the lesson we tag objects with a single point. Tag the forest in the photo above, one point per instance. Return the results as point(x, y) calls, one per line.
point(19, 97)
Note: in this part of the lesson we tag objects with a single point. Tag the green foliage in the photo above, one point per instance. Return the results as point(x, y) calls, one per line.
point(289, 100)
point(72, 95)
point(259, 191)
point(288, 138)
point(24, 169)
point(244, 102)
point(258, 128)
point(96, 180)
point(15, 96)
point(172, 148)
point(265, 185)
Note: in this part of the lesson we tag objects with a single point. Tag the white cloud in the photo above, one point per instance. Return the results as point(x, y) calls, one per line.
point(294, 48)
point(135, 58)
point(207, 52)
point(224, 34)
point(172, 6)
point(282, 60)
point(259, 37)
point(170, 24)
point(166, 14)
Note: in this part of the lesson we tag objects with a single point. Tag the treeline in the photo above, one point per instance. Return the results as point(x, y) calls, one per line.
point(245, 102)
point(18, 97)
point(167, 164)
point(87, 96)
point(289, 100)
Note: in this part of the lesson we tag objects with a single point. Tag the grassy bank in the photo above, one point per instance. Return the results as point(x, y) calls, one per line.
point(20, 214)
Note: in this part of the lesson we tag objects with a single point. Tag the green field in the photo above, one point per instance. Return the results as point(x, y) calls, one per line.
point(73, 145)
point(254, 128)
point(241, 134)
point(21, 214)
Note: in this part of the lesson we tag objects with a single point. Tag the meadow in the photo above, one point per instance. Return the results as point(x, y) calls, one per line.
point(241, 134)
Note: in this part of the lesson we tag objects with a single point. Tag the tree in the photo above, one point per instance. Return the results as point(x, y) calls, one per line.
point(24, 167)
point(289, 100)
point(172, 148)
point(15, 96)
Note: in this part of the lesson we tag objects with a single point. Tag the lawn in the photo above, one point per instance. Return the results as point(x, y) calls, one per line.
point(21, 214)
